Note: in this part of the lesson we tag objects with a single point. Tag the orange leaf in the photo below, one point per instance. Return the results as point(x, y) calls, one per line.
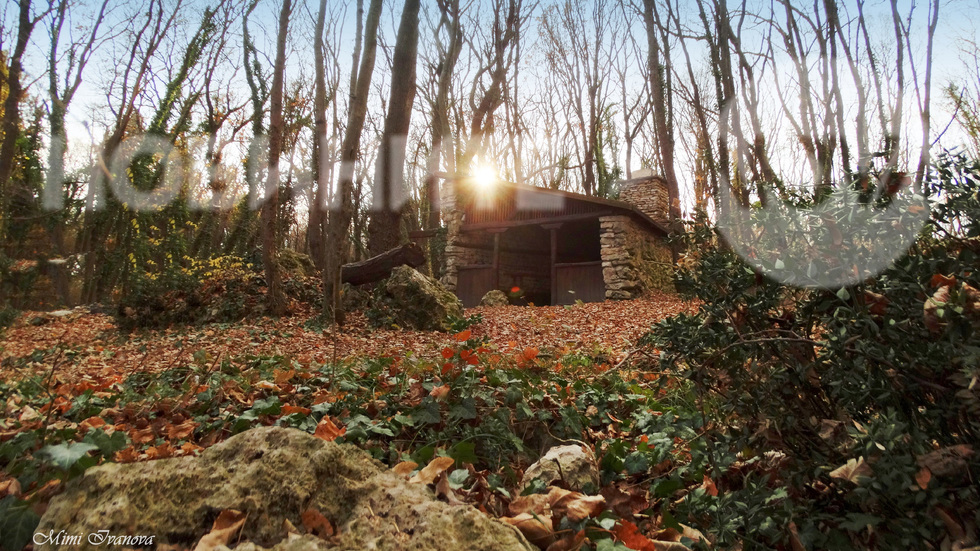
point(939, 280)
point(327, 430)
point(530, 353)
point(463, 335)
point(404, 468)
point(446, 368)
point(315, 522)
point(128, 455)
point(440, 392)
point(644, 439)
point(630, 535)
point(923, 477)
point(289, 409)
point(162, 451)
point(321, 396)
point(93, 422)
point(709, 486)
point(190, 447)
point(447, 353)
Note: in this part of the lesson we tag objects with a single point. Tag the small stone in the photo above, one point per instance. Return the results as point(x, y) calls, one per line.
point(572, 467)
point(495, 297)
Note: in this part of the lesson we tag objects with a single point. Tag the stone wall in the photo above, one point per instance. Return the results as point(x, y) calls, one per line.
point(633, 261)
point(649, 195)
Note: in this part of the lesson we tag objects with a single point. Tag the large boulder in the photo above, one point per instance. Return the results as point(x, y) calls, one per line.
point(273, 475)
point(412, 300)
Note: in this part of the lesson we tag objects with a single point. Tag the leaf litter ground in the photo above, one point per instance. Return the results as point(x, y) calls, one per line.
point(491, 398)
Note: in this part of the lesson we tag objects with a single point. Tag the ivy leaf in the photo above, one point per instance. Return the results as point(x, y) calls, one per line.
point(64, 456)
point(17, 523)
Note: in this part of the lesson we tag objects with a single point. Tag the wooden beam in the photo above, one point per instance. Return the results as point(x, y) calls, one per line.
point(423, 234)
point(483, 226)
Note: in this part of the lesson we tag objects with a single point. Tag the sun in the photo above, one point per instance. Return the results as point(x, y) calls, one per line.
point(484, 175)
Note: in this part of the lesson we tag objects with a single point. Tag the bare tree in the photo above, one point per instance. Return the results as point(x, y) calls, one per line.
point(384, 227)
point(275, 297)
point(660, 75)
point(340, 217)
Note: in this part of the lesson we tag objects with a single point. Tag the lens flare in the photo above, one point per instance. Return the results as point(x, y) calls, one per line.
point(484, 175)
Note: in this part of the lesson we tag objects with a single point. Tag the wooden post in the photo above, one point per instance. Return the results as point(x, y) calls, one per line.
point(496, 259)
point(553, 228)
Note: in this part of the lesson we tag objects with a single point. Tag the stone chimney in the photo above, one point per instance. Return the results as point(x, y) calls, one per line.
point(648, 193)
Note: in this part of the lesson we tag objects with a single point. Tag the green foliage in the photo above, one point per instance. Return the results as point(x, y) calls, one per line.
point(188, 291)
point(796, 383)
point(17, 523)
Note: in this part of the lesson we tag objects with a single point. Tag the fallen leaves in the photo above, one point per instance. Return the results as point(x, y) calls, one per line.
point(852, 471)
point(226, 526)
point(431, 472)
point(537, 515)
point(317, 524)
point(327, 430)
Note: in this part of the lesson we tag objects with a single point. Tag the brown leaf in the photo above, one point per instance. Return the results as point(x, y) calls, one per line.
point(948, 462)
point(444, 491)
point(228, 523)
point(10, 487)
point(93, 422)
point(625, 502)
point(404, 468)
point(291, 409)
point(574, 505)
point(537, 529)
point(327, 430)
point(537, 504)
point(568, 542)
point(852, 470)
point(794, 538)
point(316, 523)
point(181, 431)
point(431, 472)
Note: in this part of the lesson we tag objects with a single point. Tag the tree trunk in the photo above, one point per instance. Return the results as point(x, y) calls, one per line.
point(659, 75)
point(384, 230)
point(315, 228)
point(379, 267)
point(275, 297)
point(340, 218)
point(10, 124)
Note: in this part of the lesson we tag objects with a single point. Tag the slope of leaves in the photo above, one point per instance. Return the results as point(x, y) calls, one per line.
point(489, 400)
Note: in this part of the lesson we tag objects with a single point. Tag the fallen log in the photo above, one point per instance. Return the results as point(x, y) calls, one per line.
point(379, 267)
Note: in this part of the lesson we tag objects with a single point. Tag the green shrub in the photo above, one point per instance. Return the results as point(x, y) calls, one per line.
point(821, 378)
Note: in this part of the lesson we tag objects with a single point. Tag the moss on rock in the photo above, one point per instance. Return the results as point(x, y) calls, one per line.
point(273, 474)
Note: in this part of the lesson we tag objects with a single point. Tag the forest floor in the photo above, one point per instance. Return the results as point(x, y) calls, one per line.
point(607, 330)
point(493, 396)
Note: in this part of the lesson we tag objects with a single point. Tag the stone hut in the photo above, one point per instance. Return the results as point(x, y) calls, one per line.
point(556, 247)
